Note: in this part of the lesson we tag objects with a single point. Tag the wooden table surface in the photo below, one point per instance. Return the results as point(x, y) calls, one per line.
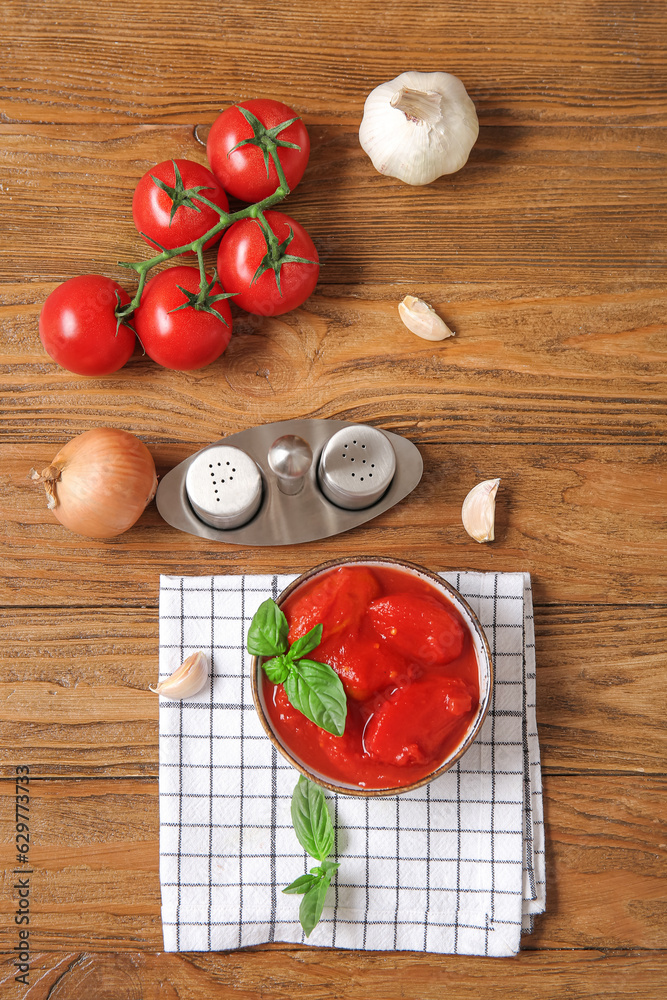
point(545, 254)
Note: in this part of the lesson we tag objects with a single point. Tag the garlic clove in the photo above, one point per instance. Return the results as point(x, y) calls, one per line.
point(479, 509)
point(422, 319)
point(419, 126)
point(186, 680)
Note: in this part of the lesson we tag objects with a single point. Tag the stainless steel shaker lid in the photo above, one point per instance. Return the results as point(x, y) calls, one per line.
point(356, 467)
point(224, 486)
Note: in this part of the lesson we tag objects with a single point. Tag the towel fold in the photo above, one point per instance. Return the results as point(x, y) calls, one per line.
point(456, 866)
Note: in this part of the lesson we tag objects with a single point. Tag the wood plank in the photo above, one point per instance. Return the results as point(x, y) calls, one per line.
point(557, 511)
point(74, 693)
point(574, 61)
point(76, 689)
point(598, 675)
point(538, 363)
point(94, 852)
point(321, 974)
point(565, 203)
point(614, 826)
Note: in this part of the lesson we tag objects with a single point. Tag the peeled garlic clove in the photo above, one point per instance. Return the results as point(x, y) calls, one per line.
point(422, 319)
point(479, 509)
point(419, 126)
point(186, 680)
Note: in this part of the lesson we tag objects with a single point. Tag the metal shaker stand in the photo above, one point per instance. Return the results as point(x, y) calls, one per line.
point(356, 465)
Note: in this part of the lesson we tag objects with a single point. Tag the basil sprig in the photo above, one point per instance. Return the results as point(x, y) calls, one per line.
point(311, 687)
point(315, 832)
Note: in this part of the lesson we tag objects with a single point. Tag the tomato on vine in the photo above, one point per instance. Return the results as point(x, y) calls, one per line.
point(258, 151)
point(166, 209)
point(270, 263)
point(78, 327)
point(181, 325)
point(241, 141)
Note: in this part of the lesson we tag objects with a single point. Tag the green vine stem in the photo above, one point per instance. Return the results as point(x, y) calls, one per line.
point(255, 211)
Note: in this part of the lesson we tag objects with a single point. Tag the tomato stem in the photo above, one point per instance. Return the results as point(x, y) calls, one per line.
point(273, 152)
point(226, 219)
point(255, 211)
point(202, 272)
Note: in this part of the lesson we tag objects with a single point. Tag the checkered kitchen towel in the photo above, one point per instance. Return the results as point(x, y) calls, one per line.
point(456, 866)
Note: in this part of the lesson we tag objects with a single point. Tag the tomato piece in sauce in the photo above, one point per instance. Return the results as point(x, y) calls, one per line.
point(338, 600)
point(418, 626)
point(364, 664)
point(412, 725)
point(410, 696)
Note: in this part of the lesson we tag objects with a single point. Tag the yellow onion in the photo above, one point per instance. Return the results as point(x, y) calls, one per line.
point(100, 482)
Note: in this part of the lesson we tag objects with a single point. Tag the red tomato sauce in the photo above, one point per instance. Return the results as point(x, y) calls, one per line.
point(407, 662)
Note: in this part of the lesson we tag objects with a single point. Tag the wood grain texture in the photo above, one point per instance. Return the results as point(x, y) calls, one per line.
point(557, 509)
point(545, 255)
point(543, 364)
point(74, 696)
point(94, 849)
point(574, 62)
point(339, 975)
point(565, 203)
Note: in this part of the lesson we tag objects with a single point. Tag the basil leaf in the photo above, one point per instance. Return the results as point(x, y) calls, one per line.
point(268, 630)
point(329, 867)
point(278, 668)
point(316, 690)
point(307, 643)
point(311, 819)
point(312, 905)
point(301, 884)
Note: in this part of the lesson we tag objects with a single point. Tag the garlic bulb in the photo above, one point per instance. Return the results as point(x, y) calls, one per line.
point(479, 509)
point(186, 680)
point(422, 319)
point(419, 126)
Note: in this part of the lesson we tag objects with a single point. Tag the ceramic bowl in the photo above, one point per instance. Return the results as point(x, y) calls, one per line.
point(484, 663)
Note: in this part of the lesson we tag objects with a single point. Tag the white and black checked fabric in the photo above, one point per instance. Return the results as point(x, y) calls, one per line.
point(457, 866)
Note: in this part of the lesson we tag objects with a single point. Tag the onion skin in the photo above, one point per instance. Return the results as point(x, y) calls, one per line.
point(100, 482)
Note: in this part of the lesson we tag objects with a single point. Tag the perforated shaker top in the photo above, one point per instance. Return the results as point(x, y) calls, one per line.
point(356, 467)
point(224, 486)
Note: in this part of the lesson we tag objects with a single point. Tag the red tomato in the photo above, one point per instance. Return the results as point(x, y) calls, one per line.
point(77, 326)
point(341, 749)
point(363, 665)
point(412, 725)
point(268, 282)
point(249, 172)
point(153, 207)
point(405, 712)
point(338, 601)
point(417, 626)
point(173, 332)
